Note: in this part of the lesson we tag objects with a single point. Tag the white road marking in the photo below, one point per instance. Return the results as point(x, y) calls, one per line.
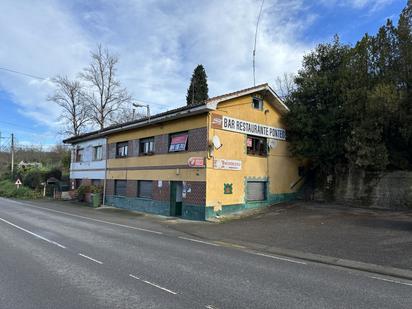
point(279, 258)
point(137, 278)
point(34, 234)
point(210, 307)
point(87, 218)
point(159, 287)
point(153, 284)
point(200, 241)
point(392, 281)
point(91, 259)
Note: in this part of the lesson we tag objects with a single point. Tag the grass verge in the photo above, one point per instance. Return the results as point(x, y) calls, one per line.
point(9, 189)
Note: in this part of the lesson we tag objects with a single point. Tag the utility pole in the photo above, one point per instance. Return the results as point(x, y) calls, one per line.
point(12, 155)
point(254, 47)
point(142, 105)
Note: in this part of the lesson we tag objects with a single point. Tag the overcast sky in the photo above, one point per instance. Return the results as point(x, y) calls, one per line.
point(159, 43)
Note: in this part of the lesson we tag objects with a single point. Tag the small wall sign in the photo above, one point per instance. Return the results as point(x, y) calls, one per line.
point(196, 162)
point(228, 188)
point(223, 164)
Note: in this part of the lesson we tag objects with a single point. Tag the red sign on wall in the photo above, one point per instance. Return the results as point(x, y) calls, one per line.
point(249, 142)
point(178, 143)
point(196, 162)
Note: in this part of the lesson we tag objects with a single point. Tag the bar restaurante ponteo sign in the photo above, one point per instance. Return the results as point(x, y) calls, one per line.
point(247, 127)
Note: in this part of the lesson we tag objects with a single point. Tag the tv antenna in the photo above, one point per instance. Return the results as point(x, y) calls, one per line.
point(254, 48)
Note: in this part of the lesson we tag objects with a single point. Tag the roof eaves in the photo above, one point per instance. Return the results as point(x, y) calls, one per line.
point(181, 112)
point(278, 103)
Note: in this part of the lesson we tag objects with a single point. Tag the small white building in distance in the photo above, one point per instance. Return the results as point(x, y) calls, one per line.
point(88, 163)
point(24, 165)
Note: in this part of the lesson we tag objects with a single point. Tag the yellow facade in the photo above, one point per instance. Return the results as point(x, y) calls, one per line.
point(124, 166)
point(279, 168)
point(204, 188)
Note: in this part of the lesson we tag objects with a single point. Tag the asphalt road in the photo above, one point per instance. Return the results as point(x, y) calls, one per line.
point(51, 258)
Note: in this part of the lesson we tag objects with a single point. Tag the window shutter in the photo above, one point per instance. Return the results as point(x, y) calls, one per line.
point(256, 191)
point(145, 188)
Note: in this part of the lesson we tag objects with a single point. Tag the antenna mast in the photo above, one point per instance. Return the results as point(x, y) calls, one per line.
point(254, 48)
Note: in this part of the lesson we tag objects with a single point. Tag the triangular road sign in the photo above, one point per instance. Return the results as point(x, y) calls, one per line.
point(18, 182)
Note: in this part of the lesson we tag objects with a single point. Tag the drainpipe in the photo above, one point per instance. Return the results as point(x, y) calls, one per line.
point(105, 173)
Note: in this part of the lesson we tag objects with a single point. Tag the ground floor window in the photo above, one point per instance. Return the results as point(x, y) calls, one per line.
point(96, 182)
point(256, 191)
point(120, 187)
point(145, 189)
point(78, 183)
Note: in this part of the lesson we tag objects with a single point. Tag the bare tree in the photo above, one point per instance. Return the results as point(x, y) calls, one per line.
point(106, 96)
point(285, 84)
point(70, 97)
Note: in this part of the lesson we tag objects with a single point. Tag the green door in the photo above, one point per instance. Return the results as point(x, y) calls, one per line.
point(176, 190)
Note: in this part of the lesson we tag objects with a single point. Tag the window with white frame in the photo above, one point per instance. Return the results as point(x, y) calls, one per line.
point(79, 154)
point(121, 149)
point(97, 153)
point(146, 146)
point(257, 103)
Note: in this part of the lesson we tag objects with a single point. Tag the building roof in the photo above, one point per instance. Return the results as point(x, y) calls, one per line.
point(184, 111)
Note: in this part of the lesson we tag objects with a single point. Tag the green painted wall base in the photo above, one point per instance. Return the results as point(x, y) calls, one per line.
point(229, 209)
point(139, 204)
point(192, 212)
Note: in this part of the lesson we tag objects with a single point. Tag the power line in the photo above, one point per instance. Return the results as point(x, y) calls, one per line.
point(43, 78)
point(22, 73)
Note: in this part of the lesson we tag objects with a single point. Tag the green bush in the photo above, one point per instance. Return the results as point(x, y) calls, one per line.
point(81, 192)
point(32, 178)
point(9, 189)
point(96, 189)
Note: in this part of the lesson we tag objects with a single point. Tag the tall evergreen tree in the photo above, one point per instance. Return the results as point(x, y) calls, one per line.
point(352, 106)
point(404, 38)
point(198, 89)
point(316, 123)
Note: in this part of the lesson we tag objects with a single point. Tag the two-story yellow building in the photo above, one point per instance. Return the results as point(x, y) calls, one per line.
point(223, 155)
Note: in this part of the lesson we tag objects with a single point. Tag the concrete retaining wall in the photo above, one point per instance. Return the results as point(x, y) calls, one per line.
point(390, 190)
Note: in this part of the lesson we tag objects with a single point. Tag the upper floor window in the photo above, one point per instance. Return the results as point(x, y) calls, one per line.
point(257, 103)
point(121, 149)
point(79, 154)
point(97, 153)
point(178, 142)
point(256, 145)
point(146, 146)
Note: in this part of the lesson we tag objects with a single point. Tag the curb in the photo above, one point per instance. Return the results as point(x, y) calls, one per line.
point(329, 260)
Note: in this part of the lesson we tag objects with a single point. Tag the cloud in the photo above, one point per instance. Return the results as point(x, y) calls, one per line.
point(158, 43)
point(371, 5)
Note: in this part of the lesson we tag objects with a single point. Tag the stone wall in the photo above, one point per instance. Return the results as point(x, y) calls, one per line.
point(389, 190)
